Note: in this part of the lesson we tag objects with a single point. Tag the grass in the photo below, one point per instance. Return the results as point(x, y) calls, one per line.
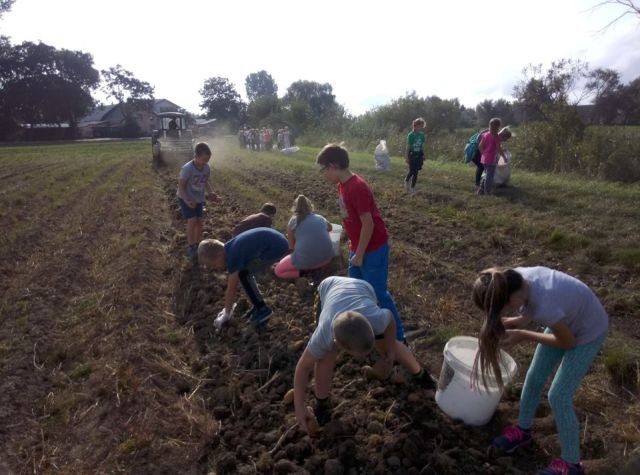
point(622, 362)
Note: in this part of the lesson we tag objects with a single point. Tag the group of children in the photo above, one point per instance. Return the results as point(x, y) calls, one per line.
point(357, 313)
point(261, 140)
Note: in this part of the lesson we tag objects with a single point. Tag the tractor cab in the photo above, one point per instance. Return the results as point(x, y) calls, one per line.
point(172, 139)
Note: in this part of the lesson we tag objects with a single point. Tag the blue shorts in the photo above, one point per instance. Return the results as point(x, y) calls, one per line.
point(189, 213)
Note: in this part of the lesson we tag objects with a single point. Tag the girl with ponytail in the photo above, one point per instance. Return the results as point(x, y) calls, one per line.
point(308, 236)
point(576, 327)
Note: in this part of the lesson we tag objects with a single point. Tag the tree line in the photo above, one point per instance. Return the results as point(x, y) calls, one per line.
point(40, 84)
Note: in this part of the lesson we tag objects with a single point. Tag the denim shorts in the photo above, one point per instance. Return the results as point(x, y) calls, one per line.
point(188, 212)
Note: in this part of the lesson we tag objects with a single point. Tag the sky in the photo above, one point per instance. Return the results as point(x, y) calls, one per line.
point(370, 52)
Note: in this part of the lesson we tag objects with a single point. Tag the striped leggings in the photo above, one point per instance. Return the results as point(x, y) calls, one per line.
point(574, 364)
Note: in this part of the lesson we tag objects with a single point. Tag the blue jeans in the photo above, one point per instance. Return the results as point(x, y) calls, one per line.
point(574, 364)
point(375, 270)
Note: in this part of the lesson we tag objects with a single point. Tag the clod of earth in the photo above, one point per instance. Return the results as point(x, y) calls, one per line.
point(288, 398)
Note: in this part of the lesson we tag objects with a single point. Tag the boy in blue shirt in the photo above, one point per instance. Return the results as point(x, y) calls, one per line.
point(250, 250)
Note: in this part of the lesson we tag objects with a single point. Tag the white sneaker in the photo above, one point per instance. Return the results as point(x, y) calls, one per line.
point(413, 189)
point(406, 185)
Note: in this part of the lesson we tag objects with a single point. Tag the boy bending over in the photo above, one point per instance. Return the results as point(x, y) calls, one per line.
point(349, 319)
point(247, 252)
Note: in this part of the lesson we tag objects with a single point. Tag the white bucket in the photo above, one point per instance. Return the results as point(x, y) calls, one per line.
point(456, 396)
point(335, 234)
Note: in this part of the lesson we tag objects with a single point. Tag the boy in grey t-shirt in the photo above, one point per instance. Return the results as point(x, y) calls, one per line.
point(350, 319)
point(192, 185)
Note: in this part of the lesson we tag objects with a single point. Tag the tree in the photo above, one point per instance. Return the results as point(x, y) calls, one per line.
point(121, 85)
point(319, 97)
point(221, 101)
point(5, 6)
point(260, 84)
point(630, 102)
point(262, 109)
point(133, 95)
point(556, 87)
point(631, 7)
point(41, 84)
point(488, 109)
point(607, 90)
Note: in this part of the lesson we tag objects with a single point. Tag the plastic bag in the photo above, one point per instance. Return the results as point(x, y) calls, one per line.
point(381, 155)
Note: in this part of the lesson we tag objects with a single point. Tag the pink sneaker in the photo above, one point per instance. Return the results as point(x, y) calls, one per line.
point(512, 438)
point(561, 467)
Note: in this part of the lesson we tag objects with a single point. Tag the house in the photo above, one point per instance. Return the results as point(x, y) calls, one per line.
point(109, 121)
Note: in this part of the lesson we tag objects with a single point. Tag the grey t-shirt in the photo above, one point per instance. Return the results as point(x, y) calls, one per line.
point(555, 296)
point(313, 245)
point(340, 294)
point(195, 181)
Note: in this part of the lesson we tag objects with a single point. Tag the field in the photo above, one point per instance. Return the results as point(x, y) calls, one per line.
point(109, 359)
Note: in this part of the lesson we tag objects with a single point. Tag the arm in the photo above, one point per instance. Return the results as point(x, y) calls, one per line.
point(300, 382)
point(184, 194)
point(481, 146)
point(291, 238)
point(365, 236)
point(232, 291)
point(210, 193)
point(516, 322)
point(390, 340)
point(500, 151)
point(561, 337)
point(406, 151)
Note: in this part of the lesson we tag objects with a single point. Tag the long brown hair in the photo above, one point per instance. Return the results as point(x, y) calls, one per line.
point(491, 292)
point(302, 207)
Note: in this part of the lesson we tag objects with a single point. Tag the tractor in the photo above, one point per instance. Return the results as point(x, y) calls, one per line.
point(172, 141)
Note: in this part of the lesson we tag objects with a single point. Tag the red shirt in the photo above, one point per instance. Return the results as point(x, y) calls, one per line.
point(356, 198)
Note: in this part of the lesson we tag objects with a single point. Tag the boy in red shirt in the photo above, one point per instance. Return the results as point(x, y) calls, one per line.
point(367, 233)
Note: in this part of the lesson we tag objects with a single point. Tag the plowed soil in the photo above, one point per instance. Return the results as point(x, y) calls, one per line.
point(111, 364)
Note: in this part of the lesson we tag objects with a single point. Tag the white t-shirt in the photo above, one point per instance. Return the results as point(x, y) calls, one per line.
point(555, 296)
point(340, 294)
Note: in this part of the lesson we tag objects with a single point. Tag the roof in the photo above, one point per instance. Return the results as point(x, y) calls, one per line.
point(96, 115)
point(205, 121)
point(164, 105)
point(170, 114)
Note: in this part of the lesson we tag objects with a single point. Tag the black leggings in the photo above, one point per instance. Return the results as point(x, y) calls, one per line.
point(250, 287)
point(479, 167)
point(415, 165)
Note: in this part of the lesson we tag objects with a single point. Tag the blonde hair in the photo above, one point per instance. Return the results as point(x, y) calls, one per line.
point(302, 207)
point(353, 332)
point(491, 292)
point(209, 250)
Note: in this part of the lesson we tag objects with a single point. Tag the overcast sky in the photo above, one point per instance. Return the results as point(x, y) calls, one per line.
point(370, 52)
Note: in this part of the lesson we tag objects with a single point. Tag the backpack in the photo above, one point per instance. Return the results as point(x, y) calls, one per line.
point(472, 145)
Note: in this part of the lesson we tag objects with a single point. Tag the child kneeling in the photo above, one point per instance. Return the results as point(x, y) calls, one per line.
point(349, 319)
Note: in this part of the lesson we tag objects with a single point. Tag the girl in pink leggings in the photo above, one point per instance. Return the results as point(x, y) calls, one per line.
point(308, 235)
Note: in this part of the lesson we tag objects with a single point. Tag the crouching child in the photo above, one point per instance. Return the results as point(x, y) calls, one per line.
point(248, 252)
point(349, 319)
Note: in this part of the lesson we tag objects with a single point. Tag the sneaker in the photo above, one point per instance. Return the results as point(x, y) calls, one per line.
point(512, 438)
point(406, 185)
point(261, 315)
point(560, 467)
point(423, 380)
point(412, 189)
